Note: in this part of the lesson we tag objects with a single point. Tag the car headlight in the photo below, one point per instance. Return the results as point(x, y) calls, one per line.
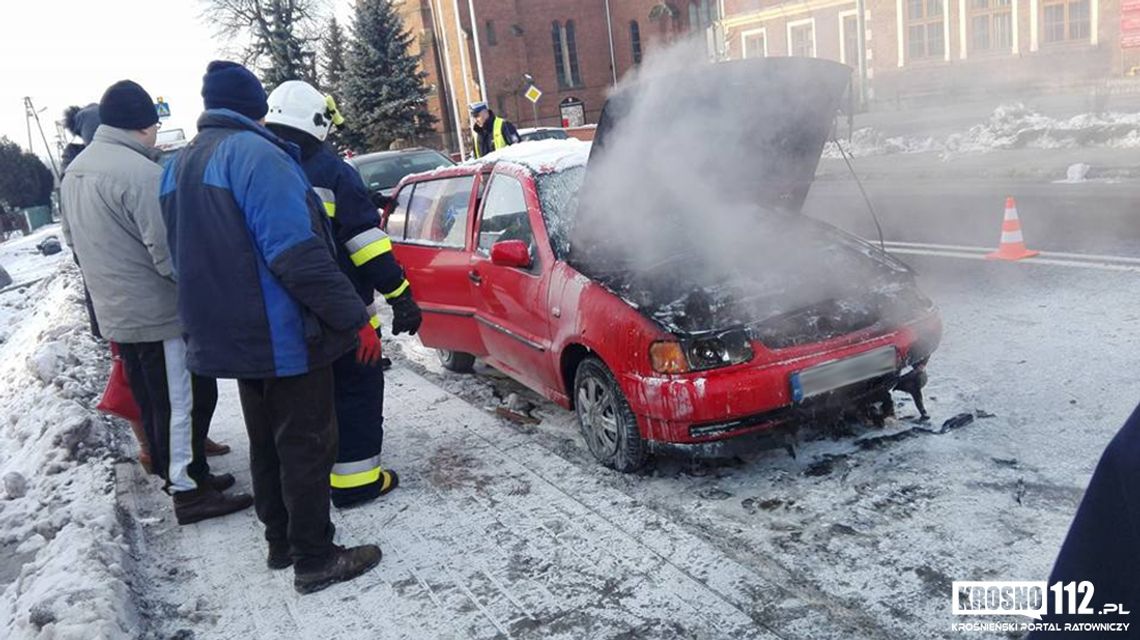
point(701, 353)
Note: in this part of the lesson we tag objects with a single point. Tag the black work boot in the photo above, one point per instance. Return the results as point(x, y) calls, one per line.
point(279, 557)
point(220, 482)
point(341, 565)
point(349, 498)
point(205, 503)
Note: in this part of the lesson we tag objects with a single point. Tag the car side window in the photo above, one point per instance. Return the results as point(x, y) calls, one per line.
point(420, 207)
point(505, 215)
point(397, 219)
point(442, 220)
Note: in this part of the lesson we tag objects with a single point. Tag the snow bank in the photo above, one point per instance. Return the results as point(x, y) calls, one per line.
point(62, 550)
point(1010, 126)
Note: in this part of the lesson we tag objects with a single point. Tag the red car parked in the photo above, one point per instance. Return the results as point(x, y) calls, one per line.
point(484, 247)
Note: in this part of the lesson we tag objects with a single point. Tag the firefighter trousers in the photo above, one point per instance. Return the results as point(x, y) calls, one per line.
point(357, 476)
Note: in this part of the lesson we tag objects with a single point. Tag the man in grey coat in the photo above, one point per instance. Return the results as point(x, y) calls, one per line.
point(113, 221)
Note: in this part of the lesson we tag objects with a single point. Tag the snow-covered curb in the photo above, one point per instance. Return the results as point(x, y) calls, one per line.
point(1010, 126)
point(63, 554)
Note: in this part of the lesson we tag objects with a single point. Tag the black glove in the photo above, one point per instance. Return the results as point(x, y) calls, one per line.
point(406, 316)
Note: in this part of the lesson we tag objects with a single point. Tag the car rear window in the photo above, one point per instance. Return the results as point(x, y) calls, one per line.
point(558, 193)
point(385, 173)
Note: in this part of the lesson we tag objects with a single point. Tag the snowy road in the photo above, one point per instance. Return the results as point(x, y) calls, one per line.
point(506, 531)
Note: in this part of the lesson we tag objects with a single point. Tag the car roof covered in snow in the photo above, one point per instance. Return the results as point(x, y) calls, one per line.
point(540, 156)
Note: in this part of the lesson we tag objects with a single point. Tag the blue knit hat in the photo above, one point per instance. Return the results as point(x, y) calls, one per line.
point(228, 85)
point(126, 105)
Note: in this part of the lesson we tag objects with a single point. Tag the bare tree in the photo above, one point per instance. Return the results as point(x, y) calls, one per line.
point(281, 35)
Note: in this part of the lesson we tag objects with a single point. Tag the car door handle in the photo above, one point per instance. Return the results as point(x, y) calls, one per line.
point(474, 276)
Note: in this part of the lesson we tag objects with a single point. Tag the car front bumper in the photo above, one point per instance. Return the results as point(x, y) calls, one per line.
point(710, 406)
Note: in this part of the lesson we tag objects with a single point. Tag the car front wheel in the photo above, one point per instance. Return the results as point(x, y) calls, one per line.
point(606, 421)
point(456, 361)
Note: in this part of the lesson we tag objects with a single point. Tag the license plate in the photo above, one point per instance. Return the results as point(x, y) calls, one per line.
point(834, 375)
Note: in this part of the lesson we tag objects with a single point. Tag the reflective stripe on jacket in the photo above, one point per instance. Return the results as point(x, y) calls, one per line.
point(364, 251)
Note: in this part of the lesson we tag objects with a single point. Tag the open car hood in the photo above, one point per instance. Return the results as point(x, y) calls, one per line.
point(690, 205)
point(759, 128)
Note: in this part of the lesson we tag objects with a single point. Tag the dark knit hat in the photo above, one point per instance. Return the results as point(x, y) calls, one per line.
point(228, 85)
point(126, 105)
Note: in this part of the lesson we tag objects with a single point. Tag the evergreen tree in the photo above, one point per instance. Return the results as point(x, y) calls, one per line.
point(280, 33)
point(384, 90)
point(332, 59)
point(25, 181)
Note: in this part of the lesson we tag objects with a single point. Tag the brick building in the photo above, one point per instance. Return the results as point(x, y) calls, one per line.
point(918, 49)
point(914, 49)
point(570, 49)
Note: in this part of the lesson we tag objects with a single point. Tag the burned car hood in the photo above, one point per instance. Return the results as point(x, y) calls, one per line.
point(789, 280)
point(690, 207)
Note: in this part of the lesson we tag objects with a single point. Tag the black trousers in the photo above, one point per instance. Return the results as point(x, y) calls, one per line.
point(360, 426)
point(292, 448)
point(176, 407)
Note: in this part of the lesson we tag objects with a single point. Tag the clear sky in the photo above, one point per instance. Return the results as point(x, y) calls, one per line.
point(64, 52)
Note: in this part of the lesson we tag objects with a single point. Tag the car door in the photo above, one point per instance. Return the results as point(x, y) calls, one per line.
point(510, 303)
point(430, 226)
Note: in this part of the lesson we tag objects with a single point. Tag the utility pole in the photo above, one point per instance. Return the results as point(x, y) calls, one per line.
point(610, 33)
point(861, 24)
point(478, 52)
point(440, 24)
point(30, 113)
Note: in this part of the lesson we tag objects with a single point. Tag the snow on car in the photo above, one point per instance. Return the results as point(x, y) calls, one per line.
point(654, 358)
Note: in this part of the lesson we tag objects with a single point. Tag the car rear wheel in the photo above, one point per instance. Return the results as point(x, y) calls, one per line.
point(456, 361)
point(607, 423)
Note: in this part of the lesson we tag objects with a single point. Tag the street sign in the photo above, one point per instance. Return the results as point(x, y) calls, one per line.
point(533, 94)
point(162, 108)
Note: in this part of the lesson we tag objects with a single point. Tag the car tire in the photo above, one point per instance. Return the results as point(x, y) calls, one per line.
point(456, 361)
point(605, 419)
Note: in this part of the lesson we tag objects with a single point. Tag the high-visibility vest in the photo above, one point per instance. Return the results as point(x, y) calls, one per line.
point(499, 140)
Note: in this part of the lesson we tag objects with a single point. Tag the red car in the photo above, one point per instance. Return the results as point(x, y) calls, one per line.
point(485, 248)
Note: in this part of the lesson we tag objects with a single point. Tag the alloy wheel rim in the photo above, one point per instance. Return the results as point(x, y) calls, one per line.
point(597, 413)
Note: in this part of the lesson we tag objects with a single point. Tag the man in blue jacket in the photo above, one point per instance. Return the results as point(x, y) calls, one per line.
point(1103, 544)
point(262, 301)
point(302, 115)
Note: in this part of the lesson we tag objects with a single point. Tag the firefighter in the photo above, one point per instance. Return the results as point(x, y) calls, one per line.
point(302, 115)
point(489, 131)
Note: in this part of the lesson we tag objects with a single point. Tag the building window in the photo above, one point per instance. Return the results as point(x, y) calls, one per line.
point(801, 38)
point(700, 14)
point(492, 39)
point(754, 44)
point(991, 25)
point(565, 54)
point(635, 41)
point(850, 34)
point(924, 29)
point(1066, 21)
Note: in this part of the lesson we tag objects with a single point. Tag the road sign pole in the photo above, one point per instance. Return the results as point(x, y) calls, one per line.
point(534, 106)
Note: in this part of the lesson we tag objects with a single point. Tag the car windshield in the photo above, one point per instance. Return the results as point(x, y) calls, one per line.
point(385, 173)
point(545, 134)
point(558, 193)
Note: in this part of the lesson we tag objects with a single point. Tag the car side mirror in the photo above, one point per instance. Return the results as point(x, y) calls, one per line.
point(511, 253)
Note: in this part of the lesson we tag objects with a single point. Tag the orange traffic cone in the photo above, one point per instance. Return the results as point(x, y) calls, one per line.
point(1012, 245)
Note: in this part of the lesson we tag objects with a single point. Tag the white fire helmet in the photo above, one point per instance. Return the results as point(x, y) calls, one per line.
point(299, 105)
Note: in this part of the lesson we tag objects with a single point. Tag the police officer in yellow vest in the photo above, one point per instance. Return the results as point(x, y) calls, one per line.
point(489, 131)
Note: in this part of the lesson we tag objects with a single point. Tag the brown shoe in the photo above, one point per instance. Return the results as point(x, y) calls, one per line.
point(216, 448)
point(343, 565)
point(205, 503)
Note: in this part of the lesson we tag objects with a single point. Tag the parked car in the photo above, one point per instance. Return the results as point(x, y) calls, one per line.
point(383, 170)
point(543, 133)
point(649, 362)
